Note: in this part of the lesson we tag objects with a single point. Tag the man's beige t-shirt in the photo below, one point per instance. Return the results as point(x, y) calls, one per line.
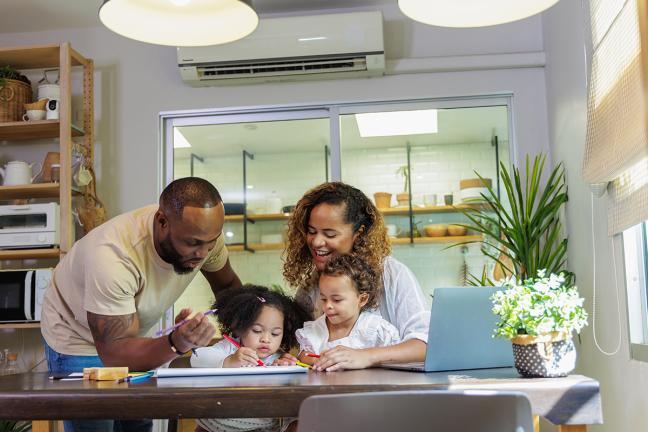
point(114, 270)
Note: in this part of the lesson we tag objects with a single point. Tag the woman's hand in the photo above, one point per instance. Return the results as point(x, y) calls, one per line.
point(341, 357)
point(242, 357)
point(286, 359)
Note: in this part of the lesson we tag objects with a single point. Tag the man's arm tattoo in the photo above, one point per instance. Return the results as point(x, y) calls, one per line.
point(107, 328)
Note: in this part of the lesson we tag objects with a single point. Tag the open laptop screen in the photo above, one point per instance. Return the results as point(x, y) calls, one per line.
point(460, 336)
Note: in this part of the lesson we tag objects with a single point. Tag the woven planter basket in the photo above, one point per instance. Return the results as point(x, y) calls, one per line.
point(13, 95)
point(550, 355)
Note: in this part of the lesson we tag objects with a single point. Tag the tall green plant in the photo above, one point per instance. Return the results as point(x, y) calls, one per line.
point(14, 426)
point(525, 236)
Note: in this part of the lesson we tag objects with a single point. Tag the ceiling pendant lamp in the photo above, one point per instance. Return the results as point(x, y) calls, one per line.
point(471, 13)
point(180, 22)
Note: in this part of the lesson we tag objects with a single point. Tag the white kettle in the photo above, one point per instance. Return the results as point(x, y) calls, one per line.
point(16, 173)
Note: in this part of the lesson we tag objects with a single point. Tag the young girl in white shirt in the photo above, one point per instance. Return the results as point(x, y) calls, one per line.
point(263, 323)
point(348, 297)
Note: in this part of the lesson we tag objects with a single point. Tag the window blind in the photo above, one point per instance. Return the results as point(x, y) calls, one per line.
point(617, 140)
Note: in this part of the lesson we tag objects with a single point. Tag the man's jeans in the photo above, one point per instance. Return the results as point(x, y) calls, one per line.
point(62, 363)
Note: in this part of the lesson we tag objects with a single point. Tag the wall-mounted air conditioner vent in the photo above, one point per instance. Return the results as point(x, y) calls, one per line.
point(319, 46)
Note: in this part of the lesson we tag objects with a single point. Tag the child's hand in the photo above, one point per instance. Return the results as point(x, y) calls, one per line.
point(242, 357)
point(286, 359)
point(341, 357)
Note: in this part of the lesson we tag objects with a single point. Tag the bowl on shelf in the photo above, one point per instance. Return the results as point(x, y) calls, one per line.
point(457, 230)
point(435, 230)
point(287, 209)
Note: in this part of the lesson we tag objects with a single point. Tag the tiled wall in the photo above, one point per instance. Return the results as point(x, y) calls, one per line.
point(435, 169)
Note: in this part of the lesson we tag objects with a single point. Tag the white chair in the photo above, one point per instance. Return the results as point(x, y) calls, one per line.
point(413, 411)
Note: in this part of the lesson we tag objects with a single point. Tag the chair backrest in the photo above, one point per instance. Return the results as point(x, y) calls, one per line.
point(412, 411)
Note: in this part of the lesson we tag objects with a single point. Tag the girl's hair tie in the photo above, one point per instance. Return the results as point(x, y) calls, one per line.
point(261, 299)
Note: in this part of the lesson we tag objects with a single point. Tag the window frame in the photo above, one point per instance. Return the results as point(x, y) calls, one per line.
point(635, 247)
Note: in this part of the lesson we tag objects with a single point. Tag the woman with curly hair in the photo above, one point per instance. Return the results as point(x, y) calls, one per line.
point(335, 219)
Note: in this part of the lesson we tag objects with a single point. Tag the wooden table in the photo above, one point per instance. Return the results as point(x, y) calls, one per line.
point(571, 402)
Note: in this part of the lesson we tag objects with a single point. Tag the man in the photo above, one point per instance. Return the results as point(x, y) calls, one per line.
point(114, 285)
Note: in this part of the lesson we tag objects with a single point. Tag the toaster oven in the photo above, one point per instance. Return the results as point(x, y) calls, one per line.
point(29, 226)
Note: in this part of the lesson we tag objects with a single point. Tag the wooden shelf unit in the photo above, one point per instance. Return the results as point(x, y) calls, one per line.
point(402, 211)
point(392, 211)
point(268, 217)
point(394, 241)
point(31, 325)
point(266, 246)
point(37, 190)
point(34, 129)
point(22, 254)
point(433, 240)
point(235, 248)
point(234, 218)
point(63, 58)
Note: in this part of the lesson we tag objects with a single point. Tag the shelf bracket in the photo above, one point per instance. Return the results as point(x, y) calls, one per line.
point(246, 155)
point(191, 162)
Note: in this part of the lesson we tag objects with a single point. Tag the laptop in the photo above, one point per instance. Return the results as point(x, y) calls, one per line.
point(460, 336)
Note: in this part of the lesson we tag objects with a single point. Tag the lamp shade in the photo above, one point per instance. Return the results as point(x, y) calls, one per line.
point(180, 22)
point(471, 13)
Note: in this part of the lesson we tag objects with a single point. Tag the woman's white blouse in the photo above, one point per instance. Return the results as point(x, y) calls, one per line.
point(369, 331)
point(402, 304)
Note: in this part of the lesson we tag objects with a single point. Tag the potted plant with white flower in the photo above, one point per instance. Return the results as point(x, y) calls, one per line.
point(539, 316)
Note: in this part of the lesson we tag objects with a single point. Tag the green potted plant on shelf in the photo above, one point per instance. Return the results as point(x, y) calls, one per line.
point(539, 315)
point(403, 198)
point(521, 231)
point(15, 426)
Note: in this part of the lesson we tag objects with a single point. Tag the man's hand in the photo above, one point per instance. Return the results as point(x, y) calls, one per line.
point(196, 332)
point(118, 344)
point(242, 357)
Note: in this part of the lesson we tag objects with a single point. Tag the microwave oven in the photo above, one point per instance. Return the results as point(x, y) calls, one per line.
point(21, 294)
point(29, 226)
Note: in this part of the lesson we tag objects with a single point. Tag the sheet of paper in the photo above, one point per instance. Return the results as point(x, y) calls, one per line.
point(189, 372)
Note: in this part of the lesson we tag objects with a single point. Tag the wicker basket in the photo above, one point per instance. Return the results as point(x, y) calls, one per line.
point(13, 95)
point(92, 212)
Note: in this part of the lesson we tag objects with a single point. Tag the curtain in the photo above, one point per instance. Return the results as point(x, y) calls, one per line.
point(617, 140)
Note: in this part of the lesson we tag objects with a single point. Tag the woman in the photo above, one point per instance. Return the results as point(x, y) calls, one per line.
point(337, 219)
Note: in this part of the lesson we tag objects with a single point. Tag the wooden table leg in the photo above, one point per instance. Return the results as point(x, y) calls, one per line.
point(572, 428)
point(43, 426)
point(536, 423)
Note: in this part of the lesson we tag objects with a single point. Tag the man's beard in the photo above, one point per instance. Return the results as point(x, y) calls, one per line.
point(171, 256)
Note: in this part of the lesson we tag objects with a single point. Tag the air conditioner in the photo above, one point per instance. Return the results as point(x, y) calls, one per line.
point(292, 48)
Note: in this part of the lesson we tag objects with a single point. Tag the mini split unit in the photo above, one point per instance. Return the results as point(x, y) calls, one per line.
point(292, 48)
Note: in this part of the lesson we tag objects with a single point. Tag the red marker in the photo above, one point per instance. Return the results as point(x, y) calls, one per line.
point(312, 355)
point(238, 345)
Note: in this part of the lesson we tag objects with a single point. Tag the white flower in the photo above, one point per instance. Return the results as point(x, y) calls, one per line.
point(537, 306)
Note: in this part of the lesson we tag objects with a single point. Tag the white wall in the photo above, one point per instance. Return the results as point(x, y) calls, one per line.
point(623, 381)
